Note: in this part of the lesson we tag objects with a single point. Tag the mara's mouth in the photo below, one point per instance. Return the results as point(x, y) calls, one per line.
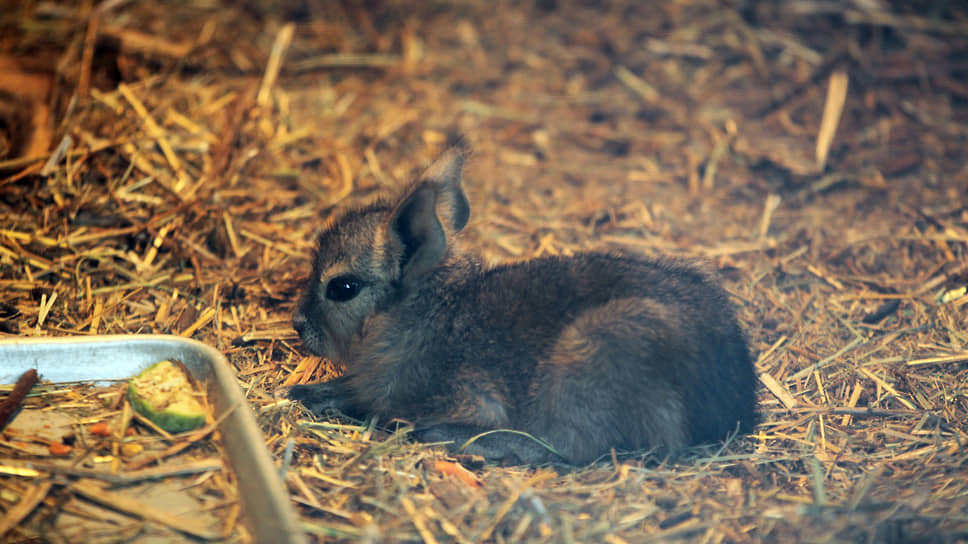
point(323, 345)
point(313, 340)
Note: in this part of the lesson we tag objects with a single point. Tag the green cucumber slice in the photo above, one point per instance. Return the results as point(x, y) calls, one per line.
point(164, 394)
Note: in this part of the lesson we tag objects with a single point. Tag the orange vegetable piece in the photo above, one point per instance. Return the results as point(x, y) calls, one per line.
point(99, 429)
point(56, 448)
point(449, 468)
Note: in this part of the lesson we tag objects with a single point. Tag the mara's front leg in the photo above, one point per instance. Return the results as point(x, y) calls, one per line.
point(334, 395)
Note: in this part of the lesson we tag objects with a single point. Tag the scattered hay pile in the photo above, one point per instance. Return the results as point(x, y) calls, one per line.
point(815, 156)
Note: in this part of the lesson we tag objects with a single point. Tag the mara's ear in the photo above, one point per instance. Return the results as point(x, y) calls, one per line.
point(445, 175)
point(416, 221)
point(415, 224)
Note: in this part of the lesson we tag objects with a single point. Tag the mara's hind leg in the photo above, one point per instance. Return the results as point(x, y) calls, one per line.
point(609, 382)
point(475, 421)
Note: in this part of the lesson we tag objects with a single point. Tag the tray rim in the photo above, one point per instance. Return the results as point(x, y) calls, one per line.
point(264, 498)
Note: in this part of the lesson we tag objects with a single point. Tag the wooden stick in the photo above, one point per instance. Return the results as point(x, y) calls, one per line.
point(12, 403)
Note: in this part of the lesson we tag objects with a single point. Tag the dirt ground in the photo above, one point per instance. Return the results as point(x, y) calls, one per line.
point(164, 166)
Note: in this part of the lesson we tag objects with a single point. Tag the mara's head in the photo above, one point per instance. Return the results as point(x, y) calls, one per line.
point(368, 257)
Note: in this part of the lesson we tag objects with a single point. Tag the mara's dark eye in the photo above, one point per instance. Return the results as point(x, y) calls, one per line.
point(343, 288)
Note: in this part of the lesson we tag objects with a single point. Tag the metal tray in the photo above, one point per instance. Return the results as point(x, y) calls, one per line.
point(110, 357)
